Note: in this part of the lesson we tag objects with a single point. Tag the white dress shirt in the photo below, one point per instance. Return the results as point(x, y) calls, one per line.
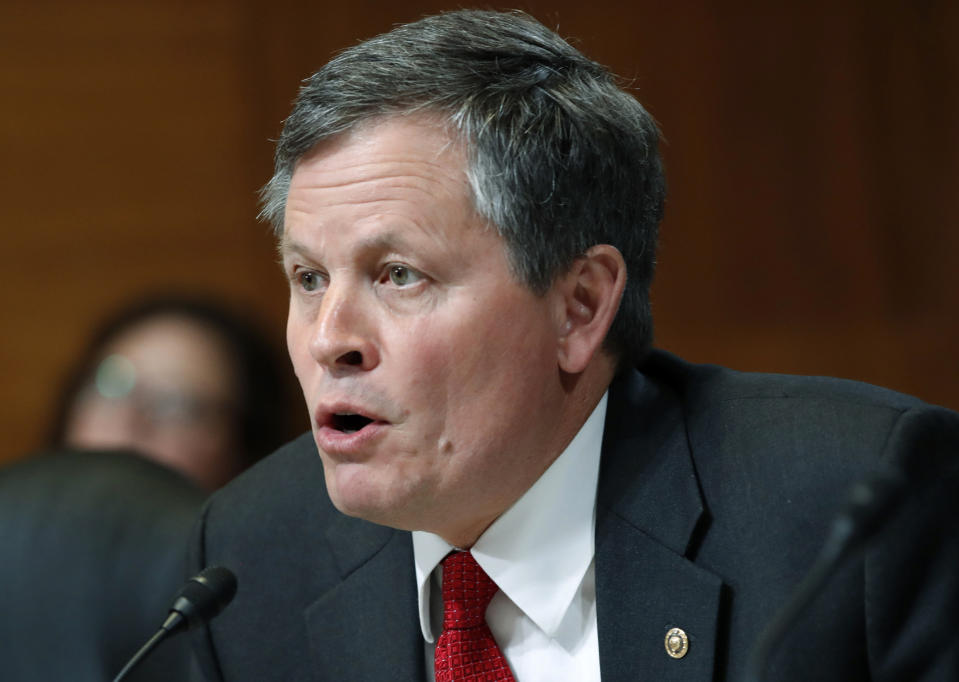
point(540, 554)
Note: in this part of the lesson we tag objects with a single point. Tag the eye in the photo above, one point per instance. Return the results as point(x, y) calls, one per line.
point(402, 275)
point(308, 280)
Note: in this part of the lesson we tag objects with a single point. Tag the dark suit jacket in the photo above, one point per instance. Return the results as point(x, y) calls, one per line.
point(93, 550)
point(716, 491)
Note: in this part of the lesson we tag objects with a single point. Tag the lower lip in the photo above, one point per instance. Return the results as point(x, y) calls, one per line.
point(334, 442)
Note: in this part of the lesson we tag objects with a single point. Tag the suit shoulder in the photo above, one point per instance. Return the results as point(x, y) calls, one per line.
point(277, 493)
point(792, 426)
point(703, 386)
point(288, 464)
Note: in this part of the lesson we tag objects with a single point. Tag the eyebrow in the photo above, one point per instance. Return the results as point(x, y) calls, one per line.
point(387, 241)
point(287, 245)
point(391, 240)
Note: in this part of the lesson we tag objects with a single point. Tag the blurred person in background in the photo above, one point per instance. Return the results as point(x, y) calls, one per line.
point(185, 381)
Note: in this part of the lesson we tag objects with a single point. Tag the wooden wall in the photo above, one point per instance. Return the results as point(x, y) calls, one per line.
point(811, 150)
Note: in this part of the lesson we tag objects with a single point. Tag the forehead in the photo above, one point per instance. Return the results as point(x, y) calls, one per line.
point(393, 182)
point(408, 158)
point(178, 353)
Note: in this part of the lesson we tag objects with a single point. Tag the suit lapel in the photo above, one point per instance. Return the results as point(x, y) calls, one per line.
point(366, 627)
point(649, 508)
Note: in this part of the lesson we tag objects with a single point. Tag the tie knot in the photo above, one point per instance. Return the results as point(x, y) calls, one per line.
point(467, 591)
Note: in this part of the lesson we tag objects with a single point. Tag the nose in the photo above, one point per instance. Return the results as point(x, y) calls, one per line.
point(342, 335)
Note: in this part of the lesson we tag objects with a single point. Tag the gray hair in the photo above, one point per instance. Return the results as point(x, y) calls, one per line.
point(560, 158)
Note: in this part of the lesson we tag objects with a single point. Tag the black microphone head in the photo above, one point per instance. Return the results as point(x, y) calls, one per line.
point(205, 595)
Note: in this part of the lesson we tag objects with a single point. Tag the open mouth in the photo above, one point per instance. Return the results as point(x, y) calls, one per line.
point(349, 422)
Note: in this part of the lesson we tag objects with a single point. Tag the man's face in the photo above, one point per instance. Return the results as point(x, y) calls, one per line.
point(430, 373)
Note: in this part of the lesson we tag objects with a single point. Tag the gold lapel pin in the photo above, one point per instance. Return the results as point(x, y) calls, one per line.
point(677, 643)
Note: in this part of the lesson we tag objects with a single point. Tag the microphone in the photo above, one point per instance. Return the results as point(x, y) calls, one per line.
point(198, 601)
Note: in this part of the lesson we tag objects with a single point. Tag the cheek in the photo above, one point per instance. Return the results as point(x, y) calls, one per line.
point(479, 374)
point(297, 344)
point(293, 330)
point(427, 368)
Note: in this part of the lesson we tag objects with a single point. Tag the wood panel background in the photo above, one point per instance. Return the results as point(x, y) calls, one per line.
point(811, 152)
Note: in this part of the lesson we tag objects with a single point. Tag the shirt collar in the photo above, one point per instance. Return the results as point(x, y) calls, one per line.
point(539, 549)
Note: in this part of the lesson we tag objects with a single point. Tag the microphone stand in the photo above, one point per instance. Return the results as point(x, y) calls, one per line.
point(173, 623)
point(868, 507)
point(929, 437)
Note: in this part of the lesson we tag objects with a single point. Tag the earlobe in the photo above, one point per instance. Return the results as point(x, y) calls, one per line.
point(591, 292)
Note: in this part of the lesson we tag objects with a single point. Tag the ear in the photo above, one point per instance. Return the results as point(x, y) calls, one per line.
point(590, 294)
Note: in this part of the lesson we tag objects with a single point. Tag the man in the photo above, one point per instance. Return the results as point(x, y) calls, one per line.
point(467, 212)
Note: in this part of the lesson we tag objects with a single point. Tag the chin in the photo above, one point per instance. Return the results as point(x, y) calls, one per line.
point(354, 493)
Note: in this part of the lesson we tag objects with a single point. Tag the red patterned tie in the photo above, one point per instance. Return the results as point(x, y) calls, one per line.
point(466, 651)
